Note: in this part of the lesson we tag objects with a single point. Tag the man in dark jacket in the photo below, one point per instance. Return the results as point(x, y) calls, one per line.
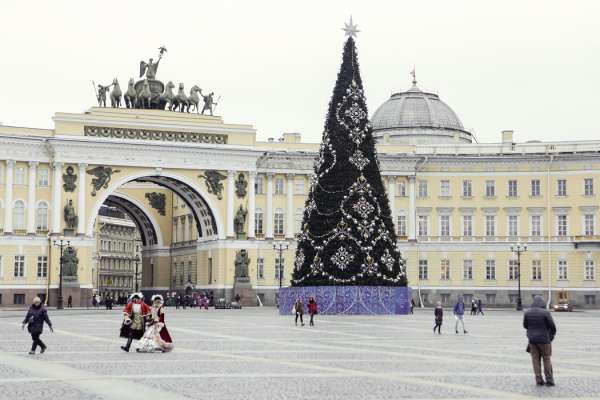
point(35, 318)
point(540, 332)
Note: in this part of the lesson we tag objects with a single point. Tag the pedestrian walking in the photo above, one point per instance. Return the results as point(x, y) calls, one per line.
point(70, 302)
point(541, 331)
point(412, 306)
point(459, 314)
point(299, 309)
point(480, 307)
point(474, 306)
point(35, 318)
point(312, 310)
point(438, 312)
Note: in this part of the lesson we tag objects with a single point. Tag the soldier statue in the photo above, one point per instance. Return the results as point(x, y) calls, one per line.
point(101, 94)
point(241, 264)
point(208, 102)
point(239, 221)
point(70, 215)
point(70, 262)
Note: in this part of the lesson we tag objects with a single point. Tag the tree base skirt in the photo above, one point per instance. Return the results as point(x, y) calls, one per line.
point(348, 300)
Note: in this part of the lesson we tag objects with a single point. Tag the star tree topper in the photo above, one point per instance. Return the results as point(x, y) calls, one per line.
point(350, 28)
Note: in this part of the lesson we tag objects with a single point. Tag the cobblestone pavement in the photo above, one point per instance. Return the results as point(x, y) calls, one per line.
point(257, 354)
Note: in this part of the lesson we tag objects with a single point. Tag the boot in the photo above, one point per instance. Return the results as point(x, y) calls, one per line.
point(43, 350)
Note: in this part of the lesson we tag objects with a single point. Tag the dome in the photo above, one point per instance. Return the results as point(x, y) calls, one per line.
point(417, 117)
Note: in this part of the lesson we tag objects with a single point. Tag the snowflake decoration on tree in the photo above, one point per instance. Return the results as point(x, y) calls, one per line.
point(299, 259)
point(363, 207)
point(370, 266)
point(388, 260)
point(359, 160)
point(356, 113)
point(342, 258)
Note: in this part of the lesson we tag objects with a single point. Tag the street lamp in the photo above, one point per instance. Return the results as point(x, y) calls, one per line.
point(60, 243)
point(519, 248)
point(137, 260)
point(281, 247)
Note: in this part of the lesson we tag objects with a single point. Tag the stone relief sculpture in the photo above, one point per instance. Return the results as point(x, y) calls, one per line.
point(241, 264)
point(213, 182)
point(102, 178)
point(157, 201)
point(240, 186)
point(69, 179)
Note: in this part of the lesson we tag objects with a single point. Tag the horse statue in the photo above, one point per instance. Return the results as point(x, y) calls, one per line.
point(181, 102)
point(130, 95)
point(194, 98)
point(116, 94)
point(145, 96)
point(168, 96)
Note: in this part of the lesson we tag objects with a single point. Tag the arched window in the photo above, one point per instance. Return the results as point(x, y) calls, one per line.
point(41, 216)
point(258, 221)
point(278, 222)
point(19, 215)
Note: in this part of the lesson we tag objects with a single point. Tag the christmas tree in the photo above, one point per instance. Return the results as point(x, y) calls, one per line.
point(347, 233)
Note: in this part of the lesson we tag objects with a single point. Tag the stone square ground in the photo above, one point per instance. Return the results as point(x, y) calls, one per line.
point(256, 354)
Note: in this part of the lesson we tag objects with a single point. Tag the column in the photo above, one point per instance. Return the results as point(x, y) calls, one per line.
point(269, 211)
point(31, 187)
point(8, 196)
point(412, 209)
point(392, 197)
point(289, 229)
point(230, 201)
point(56, 197)
point(251, 203)
point(81, 200)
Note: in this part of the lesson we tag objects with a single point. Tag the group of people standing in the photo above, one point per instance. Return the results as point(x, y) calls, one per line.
point(146, 324)
point(298, 309)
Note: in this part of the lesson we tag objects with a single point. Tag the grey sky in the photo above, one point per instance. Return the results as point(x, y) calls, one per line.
point(531, 66)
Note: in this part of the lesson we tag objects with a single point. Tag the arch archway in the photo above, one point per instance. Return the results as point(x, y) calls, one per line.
point(149, 229)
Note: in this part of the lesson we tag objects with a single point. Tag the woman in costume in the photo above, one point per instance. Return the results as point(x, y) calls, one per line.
point(134, 320)
point(156, 337)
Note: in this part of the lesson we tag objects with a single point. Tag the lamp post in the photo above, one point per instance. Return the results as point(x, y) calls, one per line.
point(519, 248)
point(61, 244)
point(137, 260)
point(281, 247)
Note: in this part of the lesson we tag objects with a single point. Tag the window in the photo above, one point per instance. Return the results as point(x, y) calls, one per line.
point(536, 270)
point(512, 298)
point(490, 188)
point(490, 270)
point(563, 273)
point(422, 227)
point(444, 225)
point(19, 176)
point(467, 188)
point(589, 270)
point(444, 188)
point(513, 270)
point(536, 225)
point(562, 187)
point(42, 266)
point(298, 219)
point(279, 268)
point(401, 225)
point(422, 188)
point(259, 185)
point(41, 217)
point(490, 298)
point(445, 269)
point(423, 270)
point(490, 225)
point(445, 298)
point(299, 187)
point(561, 228)
point(258, 222)
point(260, 268)
point(402, 189)
point(467, 269)
point(19, 298)
point(588, 187)
point(278, 222)
point(279, 186)
point(513, 225)
point(590, 299)
point(512, 188)
point(589, 224)
point(43, 178)
point(19, 267)
point(19, 215)
point(535, 188)
point(467, 225)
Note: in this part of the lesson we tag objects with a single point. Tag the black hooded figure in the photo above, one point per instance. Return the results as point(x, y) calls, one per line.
point(540, 332)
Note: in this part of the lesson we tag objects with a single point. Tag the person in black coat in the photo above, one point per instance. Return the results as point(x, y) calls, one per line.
point(35, 318)
point(540, 332)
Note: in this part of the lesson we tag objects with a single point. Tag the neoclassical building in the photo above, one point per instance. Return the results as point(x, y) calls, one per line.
point(200, 189)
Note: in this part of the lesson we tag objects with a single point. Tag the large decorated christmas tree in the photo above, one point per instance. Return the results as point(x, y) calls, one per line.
point(347, 235)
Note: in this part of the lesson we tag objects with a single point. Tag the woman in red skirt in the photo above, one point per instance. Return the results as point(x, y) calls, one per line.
point(312, 309)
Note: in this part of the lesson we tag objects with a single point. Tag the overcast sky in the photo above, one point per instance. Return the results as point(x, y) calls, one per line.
point(531, 66)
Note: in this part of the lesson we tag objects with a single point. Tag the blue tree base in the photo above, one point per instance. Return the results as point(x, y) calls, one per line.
point(348, 300)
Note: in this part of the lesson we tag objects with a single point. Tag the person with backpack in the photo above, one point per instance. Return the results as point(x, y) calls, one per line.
point(35, 318)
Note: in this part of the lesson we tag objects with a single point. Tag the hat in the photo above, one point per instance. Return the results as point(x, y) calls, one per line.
point(157, 297)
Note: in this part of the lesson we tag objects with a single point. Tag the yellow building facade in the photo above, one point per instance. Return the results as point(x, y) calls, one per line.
point(458, 205)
